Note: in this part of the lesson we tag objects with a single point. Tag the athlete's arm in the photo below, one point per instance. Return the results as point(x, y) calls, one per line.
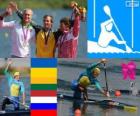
point(94, 65)
point(57, 34)
point(76, 27)
point(101, 89)
point(106, 23)
point(7, 74)
point(8, 64)
point(3, 15)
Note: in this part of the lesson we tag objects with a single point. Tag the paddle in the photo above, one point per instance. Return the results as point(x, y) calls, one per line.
point(106, 78)
point(102, 103)
point(108, 12)
point(112, 104)
point(26, 106)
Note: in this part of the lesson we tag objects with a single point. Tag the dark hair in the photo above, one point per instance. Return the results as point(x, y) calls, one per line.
point(45, 16)
point(66, 21)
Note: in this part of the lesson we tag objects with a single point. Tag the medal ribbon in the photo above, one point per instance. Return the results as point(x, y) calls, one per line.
point(25, 34)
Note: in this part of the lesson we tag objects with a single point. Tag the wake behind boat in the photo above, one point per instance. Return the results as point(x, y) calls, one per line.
point(102, 103)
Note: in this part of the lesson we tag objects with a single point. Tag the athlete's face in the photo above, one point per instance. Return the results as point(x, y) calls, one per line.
point(64, 27)
point(95, 74)
point(47, 22)
point(27, 16)
point(17, 77)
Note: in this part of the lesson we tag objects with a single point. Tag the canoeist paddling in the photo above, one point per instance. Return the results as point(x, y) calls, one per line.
point(87, 78)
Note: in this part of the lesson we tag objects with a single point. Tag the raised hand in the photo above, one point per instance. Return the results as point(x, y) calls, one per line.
point(9, 62)
point(13, 6)
point(9, 11)
point(73, 4)
point(103, 61)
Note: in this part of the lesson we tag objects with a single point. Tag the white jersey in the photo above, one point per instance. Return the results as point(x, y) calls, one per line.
point(21, 37)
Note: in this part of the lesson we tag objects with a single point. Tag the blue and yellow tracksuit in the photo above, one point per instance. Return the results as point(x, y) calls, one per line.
point(16, 88)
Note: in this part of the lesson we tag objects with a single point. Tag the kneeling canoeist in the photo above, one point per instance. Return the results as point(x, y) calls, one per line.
point(89, 77)
point(16, 88)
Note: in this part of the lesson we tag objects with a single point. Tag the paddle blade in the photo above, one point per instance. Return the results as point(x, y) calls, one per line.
point(130, 108)
point(128, 49)
point(107, 10)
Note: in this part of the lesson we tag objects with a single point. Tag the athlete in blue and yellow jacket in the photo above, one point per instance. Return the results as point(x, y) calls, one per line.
point(16, 88)
point(89, 77)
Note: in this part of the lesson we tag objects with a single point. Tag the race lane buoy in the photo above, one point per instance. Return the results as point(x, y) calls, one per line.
point(117, 93)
